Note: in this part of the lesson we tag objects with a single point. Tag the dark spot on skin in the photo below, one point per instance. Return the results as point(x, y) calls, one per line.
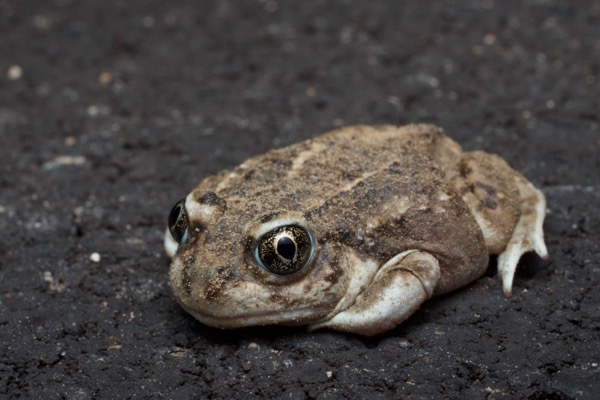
point(314, 214)
point(349, 175)
point(268, 217)
point(334, 277)
point(488, 202)
point(307, 287)
point(490, 190)
point(284, 164)
point(378, 195)
point(248, 175)
point(342, 234)
point(464, 169)
point(186, 281)
point(211, 199)
point(395, 168)
point(216, 284)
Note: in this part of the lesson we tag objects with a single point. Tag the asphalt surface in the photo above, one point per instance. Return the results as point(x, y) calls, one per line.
point(110, 111)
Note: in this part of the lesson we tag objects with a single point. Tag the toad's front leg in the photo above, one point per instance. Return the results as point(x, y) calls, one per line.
point(398, 289)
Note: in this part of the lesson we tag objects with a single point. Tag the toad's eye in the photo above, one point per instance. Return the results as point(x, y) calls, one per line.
point(178, 222)
point(285, 250)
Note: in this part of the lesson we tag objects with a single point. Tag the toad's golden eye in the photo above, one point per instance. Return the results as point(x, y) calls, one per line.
point(178, 222)
point(285, 250)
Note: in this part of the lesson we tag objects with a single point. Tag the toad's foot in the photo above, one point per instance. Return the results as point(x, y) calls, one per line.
point(396, 292)
point(527, 235)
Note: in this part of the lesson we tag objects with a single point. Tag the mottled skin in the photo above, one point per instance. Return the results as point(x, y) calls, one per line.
point(398, 215)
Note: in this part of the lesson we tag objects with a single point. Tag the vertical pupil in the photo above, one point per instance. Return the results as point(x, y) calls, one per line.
point(286, 248)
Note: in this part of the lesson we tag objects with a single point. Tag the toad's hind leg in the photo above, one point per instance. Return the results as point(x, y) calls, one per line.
point(528, 234)
point(509, 210)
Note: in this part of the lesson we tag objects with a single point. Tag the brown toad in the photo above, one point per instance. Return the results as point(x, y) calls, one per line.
point(352, 230)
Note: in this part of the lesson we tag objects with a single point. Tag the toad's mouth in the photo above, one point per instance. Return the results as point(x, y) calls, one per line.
point(246, 303)
point(300, 316)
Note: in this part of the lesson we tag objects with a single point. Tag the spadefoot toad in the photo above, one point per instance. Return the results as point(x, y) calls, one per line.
point(352, 230)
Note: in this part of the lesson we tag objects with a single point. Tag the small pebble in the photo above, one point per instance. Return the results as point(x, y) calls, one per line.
point(14, 73)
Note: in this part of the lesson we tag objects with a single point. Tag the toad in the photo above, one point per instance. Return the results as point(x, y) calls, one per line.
point(352, 230)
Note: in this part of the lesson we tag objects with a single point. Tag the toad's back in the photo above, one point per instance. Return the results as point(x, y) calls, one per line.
point(303, 175)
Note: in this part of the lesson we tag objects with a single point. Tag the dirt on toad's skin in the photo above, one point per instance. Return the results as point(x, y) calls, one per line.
point(111, 111)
